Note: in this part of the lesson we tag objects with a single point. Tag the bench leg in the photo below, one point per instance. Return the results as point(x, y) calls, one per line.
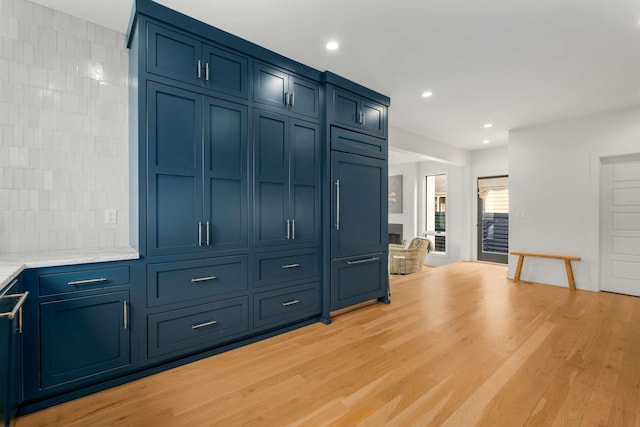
point(572, 282)
point(519, 268)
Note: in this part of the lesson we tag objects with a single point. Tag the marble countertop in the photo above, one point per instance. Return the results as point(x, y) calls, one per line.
point(11, 265)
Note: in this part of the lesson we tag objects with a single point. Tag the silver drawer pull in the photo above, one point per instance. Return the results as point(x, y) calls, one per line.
point(291, 266)
point(203, 279)
point(288, 303)
point(202, 325)
point(87, 282)
point(363, 261)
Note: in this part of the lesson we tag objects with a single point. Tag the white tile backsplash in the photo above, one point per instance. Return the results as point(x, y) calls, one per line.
point(63, 131)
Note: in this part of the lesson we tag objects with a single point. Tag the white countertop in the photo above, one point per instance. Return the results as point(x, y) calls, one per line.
point(11, 265)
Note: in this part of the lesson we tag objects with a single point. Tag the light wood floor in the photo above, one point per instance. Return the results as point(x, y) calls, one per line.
point(459, 346)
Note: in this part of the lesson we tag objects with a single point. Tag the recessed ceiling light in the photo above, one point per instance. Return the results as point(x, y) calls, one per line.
point(332, 45)
point(486, 141)
point(427, 94)
point(487, 125)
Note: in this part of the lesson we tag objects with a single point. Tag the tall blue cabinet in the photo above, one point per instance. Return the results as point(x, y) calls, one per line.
point(258, 205)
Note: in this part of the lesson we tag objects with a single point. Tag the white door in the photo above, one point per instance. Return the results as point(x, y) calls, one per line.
point(620, 225)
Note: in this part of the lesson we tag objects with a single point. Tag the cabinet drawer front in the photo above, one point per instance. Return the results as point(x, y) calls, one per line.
point(59, 283)
point(286, 305)
point(184, 281)
point(197, 327)
point(358, 279)
point(83, 337)
point(286, 266)
point(357, 143)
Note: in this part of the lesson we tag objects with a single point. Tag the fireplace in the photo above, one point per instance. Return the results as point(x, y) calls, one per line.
point(395, 234)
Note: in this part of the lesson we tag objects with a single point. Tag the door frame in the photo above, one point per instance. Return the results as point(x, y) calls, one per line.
point(594, 214)
point(489, 257)
point(473, 207)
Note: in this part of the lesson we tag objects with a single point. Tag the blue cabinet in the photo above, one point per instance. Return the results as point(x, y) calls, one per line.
point(359, 205)
point(277, 88)
point(358, 279)
point(358, 113)
point(287, 180)
point(181, 57)
point(197, 172)
point(10, 350)
point(83, 336)
point(286, 305)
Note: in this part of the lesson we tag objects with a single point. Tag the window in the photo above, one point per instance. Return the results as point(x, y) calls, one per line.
point(436, 212)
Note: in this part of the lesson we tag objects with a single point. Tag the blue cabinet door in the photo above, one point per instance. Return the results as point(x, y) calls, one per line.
point(173, 55)
point(305, 97)
point(345, 107)
point(270, 85)
point(174, 166)
point(359, 205)
point(225, 175)
point(374, 118)
point(304, 188)
point(225, 71)
point(358, 279)
point(83, 337)
point(271, 166)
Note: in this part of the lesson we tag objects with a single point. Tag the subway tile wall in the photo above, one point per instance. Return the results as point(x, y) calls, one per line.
point(63, 131)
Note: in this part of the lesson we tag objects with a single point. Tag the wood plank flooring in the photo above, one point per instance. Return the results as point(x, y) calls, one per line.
point(459, 346)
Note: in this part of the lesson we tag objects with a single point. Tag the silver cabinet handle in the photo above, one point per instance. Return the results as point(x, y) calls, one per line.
point(363, 261)
point(206, 71)
point(361, 117)
point(292, 99)
point(17, 309)
point(288, 303)
point(87, 281)
point(199, 68)
point(203, 279)
point(286, 98)
point(200, 233)
point(293, 229)
point(208, 233)
point(126, 314)
point(337, 204)
point(291, 266)
point(288, 229)
point(202, 325)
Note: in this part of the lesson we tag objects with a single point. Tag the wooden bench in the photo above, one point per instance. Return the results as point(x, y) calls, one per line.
point(567, 264)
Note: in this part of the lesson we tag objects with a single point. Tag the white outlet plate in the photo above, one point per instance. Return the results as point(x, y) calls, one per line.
point(110, 216)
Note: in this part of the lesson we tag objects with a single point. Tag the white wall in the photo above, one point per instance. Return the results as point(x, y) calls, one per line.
point(487, 162)
point(409, 215)
point(554, 183)
point(63, 131)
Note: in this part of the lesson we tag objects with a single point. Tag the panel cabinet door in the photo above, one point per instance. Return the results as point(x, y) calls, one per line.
point(358, 279)
point(269, 85)
point(346, 108)
point(225, 71)
point(83, 337)
point(304, 205)
point(374, 117)
point(271, 168)
point(306, 97)
point(225, 175)
point(173, 55)
point(359, 205)
point(174, 166)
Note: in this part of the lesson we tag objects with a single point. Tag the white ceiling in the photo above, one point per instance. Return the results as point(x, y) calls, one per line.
point(513, 63)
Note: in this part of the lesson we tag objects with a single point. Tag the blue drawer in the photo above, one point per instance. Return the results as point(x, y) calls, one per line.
point(287, 266)
point(286, 305)
point(73, 281)
point(174, 282)
point(199, 327)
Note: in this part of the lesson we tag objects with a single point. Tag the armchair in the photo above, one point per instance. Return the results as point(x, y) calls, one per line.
point(407, 260)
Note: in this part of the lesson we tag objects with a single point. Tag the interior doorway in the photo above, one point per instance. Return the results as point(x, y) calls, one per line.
point(493, 219)
point(620, 224)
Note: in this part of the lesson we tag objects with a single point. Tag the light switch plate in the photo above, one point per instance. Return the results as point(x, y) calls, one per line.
point(110, 216)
